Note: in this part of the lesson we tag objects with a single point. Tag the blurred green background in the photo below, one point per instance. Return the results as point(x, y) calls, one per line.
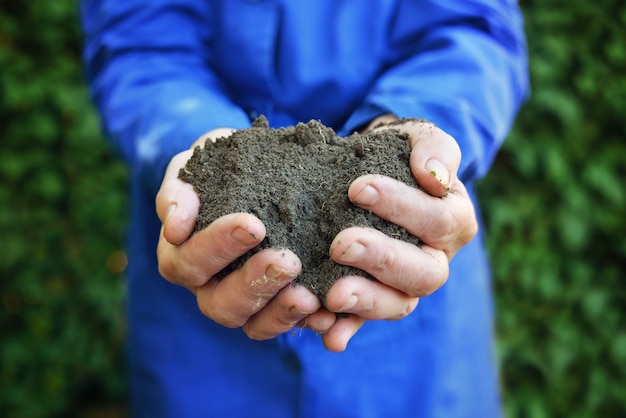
point(554, 207)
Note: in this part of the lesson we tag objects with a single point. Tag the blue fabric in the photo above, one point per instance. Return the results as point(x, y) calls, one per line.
point(162, 72)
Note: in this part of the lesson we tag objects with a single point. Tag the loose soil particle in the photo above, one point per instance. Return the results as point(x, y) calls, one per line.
point(295, 180)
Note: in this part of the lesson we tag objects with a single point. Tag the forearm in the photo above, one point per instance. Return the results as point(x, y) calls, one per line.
point(152, 85)
point(468, 75)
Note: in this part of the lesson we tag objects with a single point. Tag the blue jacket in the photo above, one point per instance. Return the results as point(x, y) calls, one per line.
point(162, 72)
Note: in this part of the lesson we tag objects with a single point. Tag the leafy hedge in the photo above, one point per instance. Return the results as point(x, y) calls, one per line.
point(554, 208)
point(62, 219)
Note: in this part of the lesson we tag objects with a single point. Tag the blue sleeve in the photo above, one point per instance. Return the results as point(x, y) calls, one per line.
point(466, 71)
point(148, 72)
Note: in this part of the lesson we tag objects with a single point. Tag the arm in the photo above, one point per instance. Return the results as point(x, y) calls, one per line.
point(150, 77)
point(466, 72)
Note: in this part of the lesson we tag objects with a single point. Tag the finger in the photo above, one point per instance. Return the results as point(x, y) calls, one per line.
point(344, 328)
point(291, 305)
point(320, 321)
point(177, 203)
point(206, 253)
point(234, 299)
point(369, 299)
point(435, 156)
point(415, 271)
point(446, 223)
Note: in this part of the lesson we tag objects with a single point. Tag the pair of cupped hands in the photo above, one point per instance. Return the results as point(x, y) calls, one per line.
point(260, 297)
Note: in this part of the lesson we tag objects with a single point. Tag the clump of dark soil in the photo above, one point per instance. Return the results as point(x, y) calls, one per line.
point(295, 180)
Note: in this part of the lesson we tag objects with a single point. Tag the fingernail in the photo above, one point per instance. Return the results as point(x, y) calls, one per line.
point(295, 311)
point(439, 171)
point(272, 272)
point(354, 253)
point(367, 196)
point(170, 212)
point(243, 237)
point(350, 303)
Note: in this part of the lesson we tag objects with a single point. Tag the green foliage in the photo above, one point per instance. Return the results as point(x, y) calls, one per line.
point(554, 206)
point(62, 222)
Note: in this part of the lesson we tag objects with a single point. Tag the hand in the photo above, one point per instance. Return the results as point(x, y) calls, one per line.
point(258, 297)
point(442, 216)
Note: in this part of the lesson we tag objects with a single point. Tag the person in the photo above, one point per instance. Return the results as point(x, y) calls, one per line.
point(166, 75)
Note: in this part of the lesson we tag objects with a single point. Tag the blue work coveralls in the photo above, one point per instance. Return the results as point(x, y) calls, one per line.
point(163, 72)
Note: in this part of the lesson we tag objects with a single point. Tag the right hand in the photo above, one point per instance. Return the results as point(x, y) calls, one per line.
point(259, 297)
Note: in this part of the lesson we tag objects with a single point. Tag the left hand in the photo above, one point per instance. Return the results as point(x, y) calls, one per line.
point(441, 215)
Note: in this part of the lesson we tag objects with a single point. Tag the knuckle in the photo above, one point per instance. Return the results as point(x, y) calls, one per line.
point(206, 310)
point(221, 316)
point(441, 226)
point(371, 309)
point(416, 289)
point(407, 308)
point(164, 271)
point(467, 231)
point(438, 277)
point(276, 325)
point(472, 230)
point(432, 278)
point(229, 321)
point(453, 228)
point(167, 270)
point(387, 260)
point(253, 333)
point(284, 324)
point(180, 275)
point(447, 225)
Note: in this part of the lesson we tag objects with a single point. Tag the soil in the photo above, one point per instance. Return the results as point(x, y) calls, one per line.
point(295, 179)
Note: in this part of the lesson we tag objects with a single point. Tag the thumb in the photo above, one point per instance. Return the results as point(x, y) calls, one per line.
point(435, 156)
point(177, 203)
